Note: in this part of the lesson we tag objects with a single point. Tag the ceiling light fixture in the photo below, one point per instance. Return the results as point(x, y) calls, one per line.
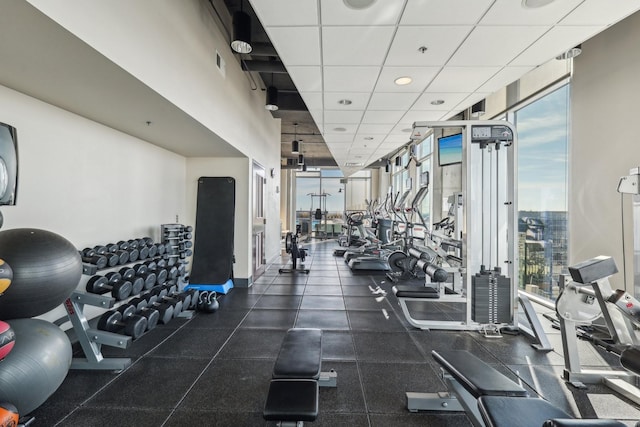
point(241, 42)
point(571, 53)
point(398, 161)
point(358, 4)
point(368, 138)
point(300, 159)
point(340, 129)
point(437, 102)
point(387, 166)
point(423, 49)
point(295, 144)
point(272, 98)
point(403, 81)
point(478, 109)
point(345, 102)
point(533, 4)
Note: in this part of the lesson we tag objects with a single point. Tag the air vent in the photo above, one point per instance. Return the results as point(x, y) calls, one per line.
point(352, 164)
point(221, 64)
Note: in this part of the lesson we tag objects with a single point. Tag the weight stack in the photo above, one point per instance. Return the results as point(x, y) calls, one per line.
point(491, 300)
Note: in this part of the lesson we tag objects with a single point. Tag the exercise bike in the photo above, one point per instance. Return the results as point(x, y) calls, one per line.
point(297, 252)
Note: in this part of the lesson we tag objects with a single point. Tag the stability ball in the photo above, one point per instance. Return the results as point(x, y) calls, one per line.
point(7, 340)
point(6, 276)
point(36, 366)
point(8, 415)
point(46, 269)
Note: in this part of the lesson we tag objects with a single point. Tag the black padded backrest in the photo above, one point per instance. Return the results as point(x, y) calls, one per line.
point(582, 423)
point(630, 359)
point(214, 232)
point(476, 376)
point(300, 354)
point(504, 411)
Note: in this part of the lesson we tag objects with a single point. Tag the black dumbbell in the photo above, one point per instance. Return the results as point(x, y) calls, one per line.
point(90, 256)
point(123, 245)
point(165, 309)
point(112, 259)
point(137, 283)
point(113, 321)
point(188, 228)
point(143, 272)
point(100, 285)
point(153, 250)
point(121, 286)
point(148, 241)
point(139, 306)
point(194, 293)
point(133, 244)
point(161, 273)
point(144, 252)
point(166, 295)
point(187, 236)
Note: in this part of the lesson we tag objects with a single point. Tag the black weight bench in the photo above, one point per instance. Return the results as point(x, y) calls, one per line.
point(297, 376)
point(489, 398)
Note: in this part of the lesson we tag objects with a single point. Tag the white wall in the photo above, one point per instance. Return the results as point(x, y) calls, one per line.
point(87, 182)
point(604, 143)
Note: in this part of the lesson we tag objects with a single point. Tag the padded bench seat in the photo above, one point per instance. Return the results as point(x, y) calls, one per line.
point(300, 355)
point(292, 400)
point(476, 376)
point(408, 291)
point(502, 411)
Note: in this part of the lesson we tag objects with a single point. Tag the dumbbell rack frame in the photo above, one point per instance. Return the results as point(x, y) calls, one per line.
point(172, 234)
point(91, 340)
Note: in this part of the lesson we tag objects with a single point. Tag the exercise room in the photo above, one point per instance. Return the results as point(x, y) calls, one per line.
point(370, 213)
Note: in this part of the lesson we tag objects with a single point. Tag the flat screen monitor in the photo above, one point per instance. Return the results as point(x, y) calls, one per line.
point(8, 164)
point(450, 149)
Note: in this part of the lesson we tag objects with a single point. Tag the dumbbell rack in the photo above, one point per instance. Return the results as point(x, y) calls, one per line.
point(91, 340)
point(177, 236)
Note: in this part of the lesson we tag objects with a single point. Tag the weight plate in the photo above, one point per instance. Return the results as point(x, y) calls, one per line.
point(153, 317)
point(96, 284)
point(140, 268)
point(188, 228)
point(122, 290)
point(112, 247)
point(137, 285)
point(109, 321)
point(144, 252)
point(100, 249)
point(112, 259)
point(153, 251)
point(148, 241)
point(160, 249)
point(134, 254)
point(133, 244)
point(135, 326)
point(123, 257)
point(127, 310)
point(127, 273)
point(123, 245)
point(113, 277)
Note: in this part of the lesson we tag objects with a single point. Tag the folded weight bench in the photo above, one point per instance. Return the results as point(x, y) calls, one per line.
point(297, 376)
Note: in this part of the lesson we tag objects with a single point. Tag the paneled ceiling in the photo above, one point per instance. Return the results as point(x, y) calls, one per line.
point(456, 52)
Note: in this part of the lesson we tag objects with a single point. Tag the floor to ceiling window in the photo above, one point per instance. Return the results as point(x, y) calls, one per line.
point(320, 202)
point(543, 135)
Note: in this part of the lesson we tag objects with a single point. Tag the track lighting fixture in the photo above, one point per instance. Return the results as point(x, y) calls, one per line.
point(241, 42)
point(295, 144)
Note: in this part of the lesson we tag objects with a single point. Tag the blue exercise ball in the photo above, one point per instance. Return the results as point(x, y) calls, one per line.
point(46, 270)
point(36, 366)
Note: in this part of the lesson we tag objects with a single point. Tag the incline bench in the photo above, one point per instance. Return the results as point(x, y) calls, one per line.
point(489, 398)
point(293, 391)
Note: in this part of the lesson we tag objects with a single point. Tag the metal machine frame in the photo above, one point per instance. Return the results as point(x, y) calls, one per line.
point(488, 230)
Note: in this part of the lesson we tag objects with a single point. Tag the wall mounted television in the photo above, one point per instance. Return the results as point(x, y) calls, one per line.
point(450, 150)
point(8, 164)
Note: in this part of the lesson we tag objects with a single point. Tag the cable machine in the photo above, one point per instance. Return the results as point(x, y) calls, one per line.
point(318, 215)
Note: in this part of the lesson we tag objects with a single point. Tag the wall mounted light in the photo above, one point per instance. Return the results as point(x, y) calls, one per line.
point(304, 168)
point(571, 53)
point(241, 42)
point(398, 161)
point(387, 166)
point(300, 159)
point(478, 109)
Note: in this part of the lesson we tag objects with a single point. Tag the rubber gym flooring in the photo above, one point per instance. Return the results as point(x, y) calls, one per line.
point(214, 369)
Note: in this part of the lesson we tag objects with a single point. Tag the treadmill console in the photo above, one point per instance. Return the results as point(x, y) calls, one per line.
point(490, 133)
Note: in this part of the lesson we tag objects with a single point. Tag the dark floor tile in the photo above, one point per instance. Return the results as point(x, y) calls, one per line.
point(231, 386)
point(253, 344)
point(349, 280)
point(335, 290)
point(517, 350)
point(195, 343)
point(79, 385)
point(279, 301)
point(317, 302)
point(224, 318)
point(109, 417)
point(348, 396)
point(140, 346)
point(328, 419)
point(359, 291)
point(455, 340)
point(372, 302)
point(285, 290)
point(204, 417)
point(238, 298)
point(386, 347)
point(151, 383)
point(337, 345)
point(258, 288)
point(269, 319)
point(290, 279)
point(378, 320)
point(49, 414)
point(323, 319)
point(547, 382)
point(385, 384)
point(420, 419)
point(328, 274)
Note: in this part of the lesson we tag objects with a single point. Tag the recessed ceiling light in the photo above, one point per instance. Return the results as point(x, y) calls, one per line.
point(532, 4)
point(368, 138)
point(345, 102)
point(340, 129)
point(358, 4)
point(422, 49)
point(401, 81)
point(437, 102)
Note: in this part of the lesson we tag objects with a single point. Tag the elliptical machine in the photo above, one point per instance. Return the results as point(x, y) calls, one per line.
point(297, 252)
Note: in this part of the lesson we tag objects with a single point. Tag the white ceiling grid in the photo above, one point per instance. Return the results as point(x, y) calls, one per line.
point(473, 48)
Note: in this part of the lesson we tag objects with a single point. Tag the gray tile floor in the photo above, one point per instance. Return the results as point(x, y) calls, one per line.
point(214, 369)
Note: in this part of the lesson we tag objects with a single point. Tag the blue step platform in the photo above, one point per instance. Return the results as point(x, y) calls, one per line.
point(219, 288)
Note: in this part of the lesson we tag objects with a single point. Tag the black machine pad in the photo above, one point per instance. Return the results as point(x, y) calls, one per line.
point(477, 377)
point(501, 411)
point(408, 291)
point(630, 359)
point(594, 269)
point(300, 355)
point(292, 400)
point(214, 231)
point(582, 423)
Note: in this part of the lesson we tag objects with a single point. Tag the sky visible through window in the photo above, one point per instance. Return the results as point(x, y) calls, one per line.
point(542, 153)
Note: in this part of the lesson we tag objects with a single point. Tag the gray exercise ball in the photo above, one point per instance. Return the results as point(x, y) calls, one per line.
point(36, 366)
point(46, 270)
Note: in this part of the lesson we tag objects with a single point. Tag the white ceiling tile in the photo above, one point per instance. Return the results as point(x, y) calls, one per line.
point(495, 45)
point(350, 79)
point(559, 39)
point(510, 12)
point(375, 129)
point(299, 12)
point(367, 141)
point(390, 145)
point(450, 99)
point(441, 43)
point(421, 77)
point(359, 100)
point(350, 116)
point(392, 101)
point(503, 78)
point(335, 128)
point(366, 45)
point(296, 45)
point(338, 138)
point(397, 139)
point(469, 101)
point(313, 100)
point(444, 12)
point(384, 12)
point(461, 79)
point(306, 78)
point(598, 12)
point(382, 116)
point(419, 116)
